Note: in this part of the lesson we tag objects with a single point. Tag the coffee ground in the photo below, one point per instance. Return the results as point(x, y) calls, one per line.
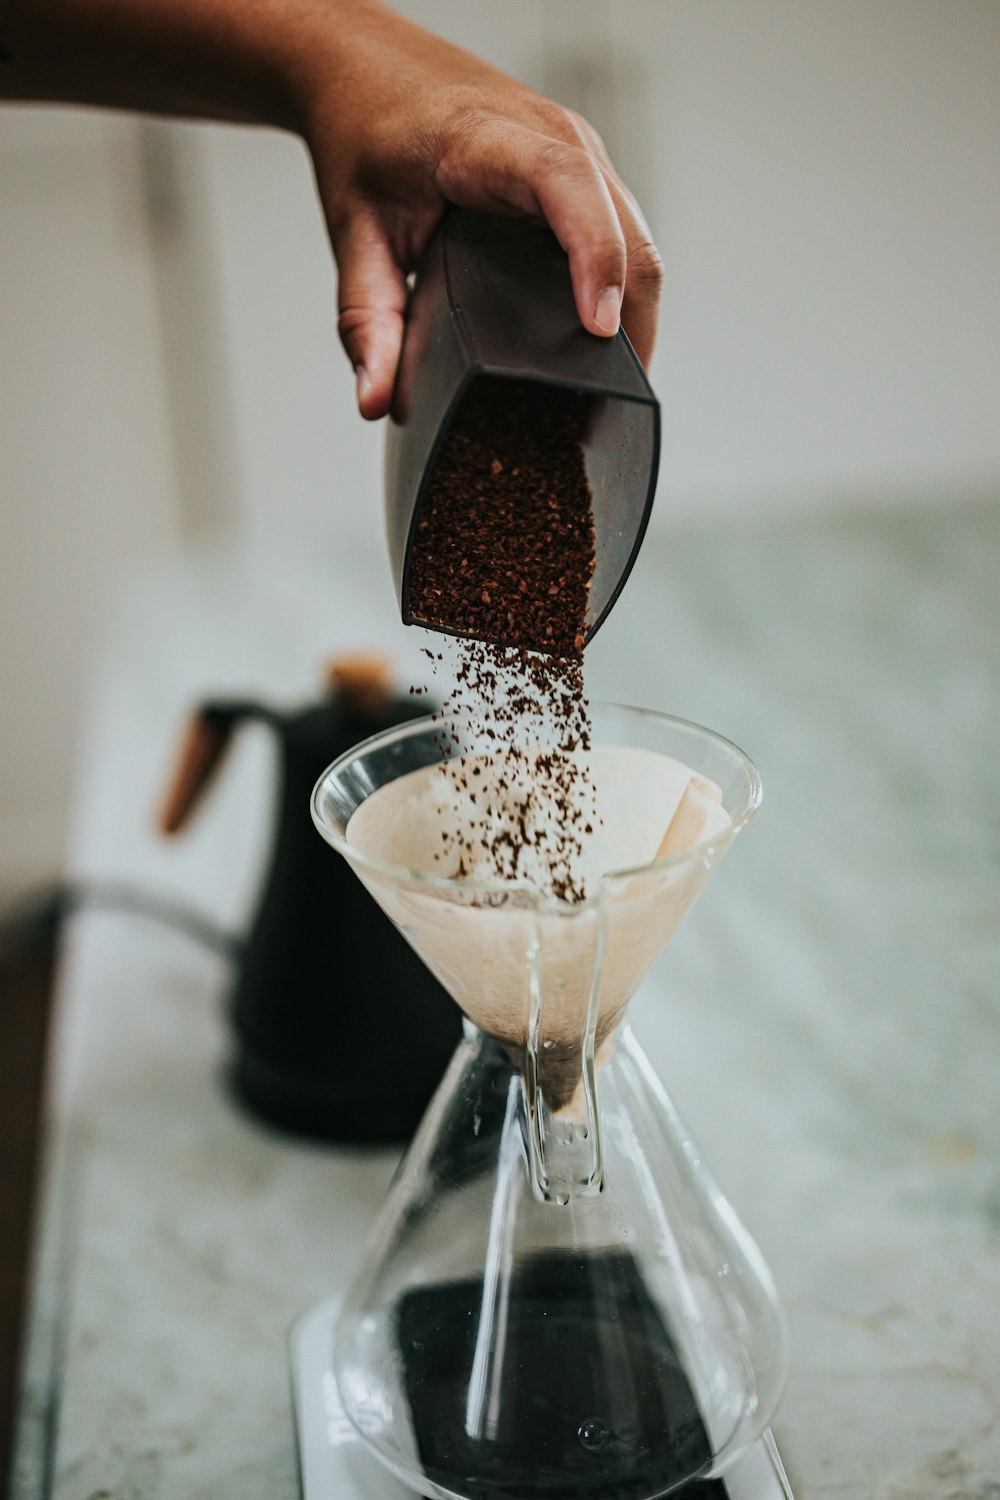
point(503, 558)
point(504, 550)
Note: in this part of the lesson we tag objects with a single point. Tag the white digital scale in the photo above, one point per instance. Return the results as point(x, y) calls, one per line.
point(335, 1465)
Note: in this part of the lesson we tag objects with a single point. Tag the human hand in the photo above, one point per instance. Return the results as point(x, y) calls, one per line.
point(400, 124)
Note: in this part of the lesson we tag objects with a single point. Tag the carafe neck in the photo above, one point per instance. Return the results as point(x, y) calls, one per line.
point(561, 1118)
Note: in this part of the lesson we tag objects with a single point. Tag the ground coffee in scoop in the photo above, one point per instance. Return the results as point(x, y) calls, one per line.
point(504, 550)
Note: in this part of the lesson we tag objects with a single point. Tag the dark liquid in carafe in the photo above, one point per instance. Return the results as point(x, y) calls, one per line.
point(586, 1401)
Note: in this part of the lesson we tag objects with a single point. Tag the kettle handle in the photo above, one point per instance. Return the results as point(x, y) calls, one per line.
point(202, 748)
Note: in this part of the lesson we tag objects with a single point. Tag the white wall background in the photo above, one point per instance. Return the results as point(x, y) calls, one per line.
point(87, 473)
point(821, 176)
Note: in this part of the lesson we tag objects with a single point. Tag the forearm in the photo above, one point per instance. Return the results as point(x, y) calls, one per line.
point(234, 60)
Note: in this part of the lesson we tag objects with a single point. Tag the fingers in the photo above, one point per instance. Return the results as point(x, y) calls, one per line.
point(499, 163)
point(371, 301)
point(616, 269)
point(574, 197)
point(643, 277)
point(644, 272)
point(614, 266)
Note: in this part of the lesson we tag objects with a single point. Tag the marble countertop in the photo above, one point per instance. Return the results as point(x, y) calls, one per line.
point(828, 1020)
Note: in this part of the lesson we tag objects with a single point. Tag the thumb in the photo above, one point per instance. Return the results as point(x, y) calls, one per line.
point(371, 300)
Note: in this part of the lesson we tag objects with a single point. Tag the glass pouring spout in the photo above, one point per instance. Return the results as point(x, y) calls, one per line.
point(557, 1301)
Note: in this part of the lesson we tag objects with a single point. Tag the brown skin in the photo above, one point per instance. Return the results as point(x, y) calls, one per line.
point(398, 123)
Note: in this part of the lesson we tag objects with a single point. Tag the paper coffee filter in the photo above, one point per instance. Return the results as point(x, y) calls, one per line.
point(503, 960)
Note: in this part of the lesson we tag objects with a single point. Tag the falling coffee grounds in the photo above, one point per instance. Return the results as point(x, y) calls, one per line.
point(503, 558)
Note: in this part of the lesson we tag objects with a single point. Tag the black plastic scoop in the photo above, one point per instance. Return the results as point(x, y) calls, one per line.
point(492, 298)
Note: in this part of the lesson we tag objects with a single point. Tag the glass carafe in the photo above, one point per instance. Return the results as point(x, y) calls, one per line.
point(557, 1300)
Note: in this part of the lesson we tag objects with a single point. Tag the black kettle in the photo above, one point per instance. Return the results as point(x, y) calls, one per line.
point(340, 1031)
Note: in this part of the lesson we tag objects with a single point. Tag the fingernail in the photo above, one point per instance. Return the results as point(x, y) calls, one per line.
point(608, 311)
point(364, 383)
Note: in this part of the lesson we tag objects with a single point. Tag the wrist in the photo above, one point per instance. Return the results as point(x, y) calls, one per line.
point(320, 54)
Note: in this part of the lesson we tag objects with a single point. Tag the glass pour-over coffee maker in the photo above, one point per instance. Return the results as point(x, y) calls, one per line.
point(557, 1300)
